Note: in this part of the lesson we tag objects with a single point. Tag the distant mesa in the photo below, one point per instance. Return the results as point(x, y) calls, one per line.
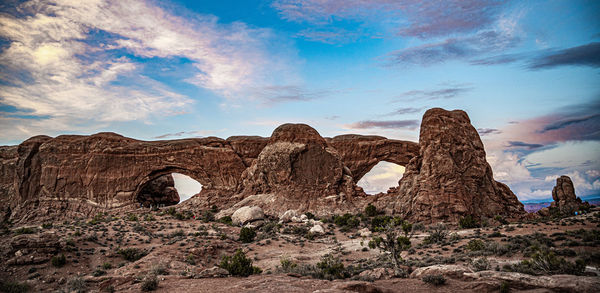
point(447, 176)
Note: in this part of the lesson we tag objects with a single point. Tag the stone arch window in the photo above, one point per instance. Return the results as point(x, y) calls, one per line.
point(167, 189)
point(381, 177)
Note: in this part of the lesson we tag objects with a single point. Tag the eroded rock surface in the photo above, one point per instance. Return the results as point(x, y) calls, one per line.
point(564, 196)
point(159, 191)
point(450, 178)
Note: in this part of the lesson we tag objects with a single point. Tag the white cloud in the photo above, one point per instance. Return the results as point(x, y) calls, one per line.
point(186, 186)
point(381, 177)
point(58, 66)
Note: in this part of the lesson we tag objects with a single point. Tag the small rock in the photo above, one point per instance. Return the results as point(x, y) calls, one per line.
point(287, 216)
point(364, 232)
point(377, 274)
point(214, 272)
point(317, 229)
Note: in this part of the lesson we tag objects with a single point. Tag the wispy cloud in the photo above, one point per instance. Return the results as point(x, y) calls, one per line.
point(65, 60)
point(422, 19)
point(448, 92)
point(278, 94)
point(488, 131)
point(403, 111)
point(584, 55)
point(520, 144)
point(390, 124)
point(196, 133)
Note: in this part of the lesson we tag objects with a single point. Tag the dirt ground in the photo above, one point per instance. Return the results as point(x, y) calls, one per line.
point(117, 253)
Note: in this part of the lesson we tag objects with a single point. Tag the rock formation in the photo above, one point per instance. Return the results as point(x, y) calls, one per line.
point(295, 169)
point(450, 177)
point(159, 191)
point(361, 153)
point(565, 200)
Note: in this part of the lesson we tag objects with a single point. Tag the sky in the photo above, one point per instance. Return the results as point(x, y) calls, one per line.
point(526, 72)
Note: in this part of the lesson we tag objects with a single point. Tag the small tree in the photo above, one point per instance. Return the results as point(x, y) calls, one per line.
point(394, 243)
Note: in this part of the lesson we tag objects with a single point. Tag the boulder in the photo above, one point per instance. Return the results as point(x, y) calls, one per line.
point(246, 215)
point(287, 216)
point(214, 272)
point(377, 274)
point(317, 229)
point(450, 177)
point(450, 271)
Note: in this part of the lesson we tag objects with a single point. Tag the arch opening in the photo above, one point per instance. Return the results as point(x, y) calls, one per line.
point(381, 177)
point(168, 189)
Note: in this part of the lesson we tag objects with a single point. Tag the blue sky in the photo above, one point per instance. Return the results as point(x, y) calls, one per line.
point(525, 71)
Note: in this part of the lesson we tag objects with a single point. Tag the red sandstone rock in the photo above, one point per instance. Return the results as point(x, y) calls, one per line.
point(564, 196)
point(450, 178)
point(159, 191)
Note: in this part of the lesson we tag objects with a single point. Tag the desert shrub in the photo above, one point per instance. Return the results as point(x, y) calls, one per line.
point(247, 235)
point(150, 283)
point(47, 225)
point(475, 245)
point(331, 267)
point(226, 220)
point(132, 217)
point(436, 280)
point(500, 220)
point(99, 272)
point(208, 216)
point(504, 287)
point(495, 234)
point(148, 218)
point(437, 234)
point(24, 230)
point(287, 265)
point(393, 243)
point(545, 262)
point(480, 264)
point(239, 264)
point(77, 284)
point(107, 266)
point(371, 211)
point(132, 254)
point(171, 211)
point(177, 233)
point(468, 222)
point(347, 221)
point(159, 269)
point(13, 287)
point(59, 260)
point(309, 215)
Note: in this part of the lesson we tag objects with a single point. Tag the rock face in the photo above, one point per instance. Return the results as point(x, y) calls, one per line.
point(361, 153)
point(298, 167)
point(564, 196)
point(295, 169)
point(159, 191)
point(450, 178)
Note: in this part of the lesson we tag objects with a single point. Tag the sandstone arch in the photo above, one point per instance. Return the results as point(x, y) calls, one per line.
point(361, 153)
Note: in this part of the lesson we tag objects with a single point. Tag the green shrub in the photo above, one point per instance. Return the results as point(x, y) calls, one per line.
point(150, 283)
point(132, 254)
point(475, 245)
point(480, 264)
point(371, 211)
point(468, 222)
point(436, 280)
point(107, 266)
point(59, 260)
point(13, 287)
point(226, 220)
point(239, 264)
point(24, 230)
point(309, 215)
point(545, 262)
point(171, 211)
point(47, 225)
point(77, 284)
point(287, 265)
point(504, 287)
point(132, 217)
point(500, 220)
point(247, 235)
point(99, 272)
point(331, 267)
point(437, 234)
point(347, 221)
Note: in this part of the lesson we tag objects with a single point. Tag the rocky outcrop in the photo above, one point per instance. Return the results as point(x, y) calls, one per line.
point(247, 215)
point(446, 176)
point(565, 200)
point(159, 191)
point(450, 178)
point(298, 167)
point(361, 153)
